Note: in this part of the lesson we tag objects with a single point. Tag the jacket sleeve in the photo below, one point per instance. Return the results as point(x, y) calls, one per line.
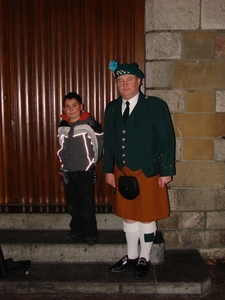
point(166, 137)
point(100, 138)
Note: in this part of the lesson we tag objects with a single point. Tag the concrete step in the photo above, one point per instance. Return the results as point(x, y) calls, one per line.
point(50, 246)
point(60, 267)
point(53, 221)
point(41, 238)
point(183, 272)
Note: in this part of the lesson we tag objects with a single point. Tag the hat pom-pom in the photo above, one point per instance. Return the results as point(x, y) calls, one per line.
point(113, 65)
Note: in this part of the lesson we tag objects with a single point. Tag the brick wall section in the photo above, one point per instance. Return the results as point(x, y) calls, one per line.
point(185, 66)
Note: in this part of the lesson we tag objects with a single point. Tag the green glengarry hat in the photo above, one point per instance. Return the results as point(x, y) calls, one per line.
point(125, 69)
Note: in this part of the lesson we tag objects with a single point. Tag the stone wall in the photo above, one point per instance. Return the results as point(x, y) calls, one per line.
point(185, 66)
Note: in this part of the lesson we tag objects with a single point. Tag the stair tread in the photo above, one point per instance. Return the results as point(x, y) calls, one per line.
point(89, 277)
point(174, 259)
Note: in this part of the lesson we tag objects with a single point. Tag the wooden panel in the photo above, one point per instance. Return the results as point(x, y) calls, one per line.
point(49, 48)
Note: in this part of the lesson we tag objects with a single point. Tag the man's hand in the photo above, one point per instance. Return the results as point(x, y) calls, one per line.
point(164, 180)
point(110, 179)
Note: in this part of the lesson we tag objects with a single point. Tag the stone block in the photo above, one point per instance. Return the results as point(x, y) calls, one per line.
point(159, 74)
point(200, 101)
point(199, 45)
point(220, 46)
point(172, 15)
point(208, 253)
point(211, 238)
point(199, 74)
point(220, 200)
point(173, 199)
point(179, 143)
point(192, 220)
point(198, 149)
point(220, 101)
point(173, 239)
point(219, 153)
point(149, 15)
point(163, 45)
point(172, 222)
point(196, 199)
point(212, 14)
point(199, 174)
point(189, 239)
point(203, 239)
point(175, 99)
point(157, 252)
point(199, 125)
point(215, 220)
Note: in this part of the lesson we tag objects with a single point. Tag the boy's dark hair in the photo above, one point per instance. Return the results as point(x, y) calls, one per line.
point(72, 95)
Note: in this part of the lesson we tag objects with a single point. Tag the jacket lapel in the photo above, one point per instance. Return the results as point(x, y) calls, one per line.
point(138, 110)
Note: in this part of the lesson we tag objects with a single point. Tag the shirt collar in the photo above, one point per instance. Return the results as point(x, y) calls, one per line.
point(133, 101)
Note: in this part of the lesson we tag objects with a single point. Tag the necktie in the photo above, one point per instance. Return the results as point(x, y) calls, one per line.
point(126, 112)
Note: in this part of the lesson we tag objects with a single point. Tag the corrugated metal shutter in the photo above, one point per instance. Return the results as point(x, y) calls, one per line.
point(49, 48)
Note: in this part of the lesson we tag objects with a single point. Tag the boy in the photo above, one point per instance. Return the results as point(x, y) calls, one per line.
point(81, 141)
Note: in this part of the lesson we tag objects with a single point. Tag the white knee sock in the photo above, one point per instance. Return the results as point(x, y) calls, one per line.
point(147, 235)
point(132, 237)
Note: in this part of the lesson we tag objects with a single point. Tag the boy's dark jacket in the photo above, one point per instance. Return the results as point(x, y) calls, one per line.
point(81, 143)
point(146, 141)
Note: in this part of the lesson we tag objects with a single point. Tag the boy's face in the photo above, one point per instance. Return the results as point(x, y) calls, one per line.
point(72, 108)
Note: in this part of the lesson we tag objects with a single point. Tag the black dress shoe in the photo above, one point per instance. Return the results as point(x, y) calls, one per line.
point(123, 264)
point(141, 268)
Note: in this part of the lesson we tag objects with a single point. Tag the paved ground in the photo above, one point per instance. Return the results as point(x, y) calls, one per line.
point(216, 270)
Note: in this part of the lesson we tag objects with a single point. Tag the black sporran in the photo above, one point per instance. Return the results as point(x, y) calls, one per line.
point(128, 187)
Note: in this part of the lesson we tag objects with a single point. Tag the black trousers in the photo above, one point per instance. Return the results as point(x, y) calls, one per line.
point(80, 203)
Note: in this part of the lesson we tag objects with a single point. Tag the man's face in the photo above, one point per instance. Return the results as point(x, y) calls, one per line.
point(72, 108)
point(128, 86)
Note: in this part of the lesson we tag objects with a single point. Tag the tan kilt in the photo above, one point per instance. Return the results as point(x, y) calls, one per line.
point(151, 204)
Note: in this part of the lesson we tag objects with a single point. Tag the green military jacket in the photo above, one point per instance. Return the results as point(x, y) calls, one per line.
point(146, 141)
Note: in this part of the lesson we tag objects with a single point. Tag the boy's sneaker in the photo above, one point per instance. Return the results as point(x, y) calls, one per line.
point(72, 238)
point(91, 241)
